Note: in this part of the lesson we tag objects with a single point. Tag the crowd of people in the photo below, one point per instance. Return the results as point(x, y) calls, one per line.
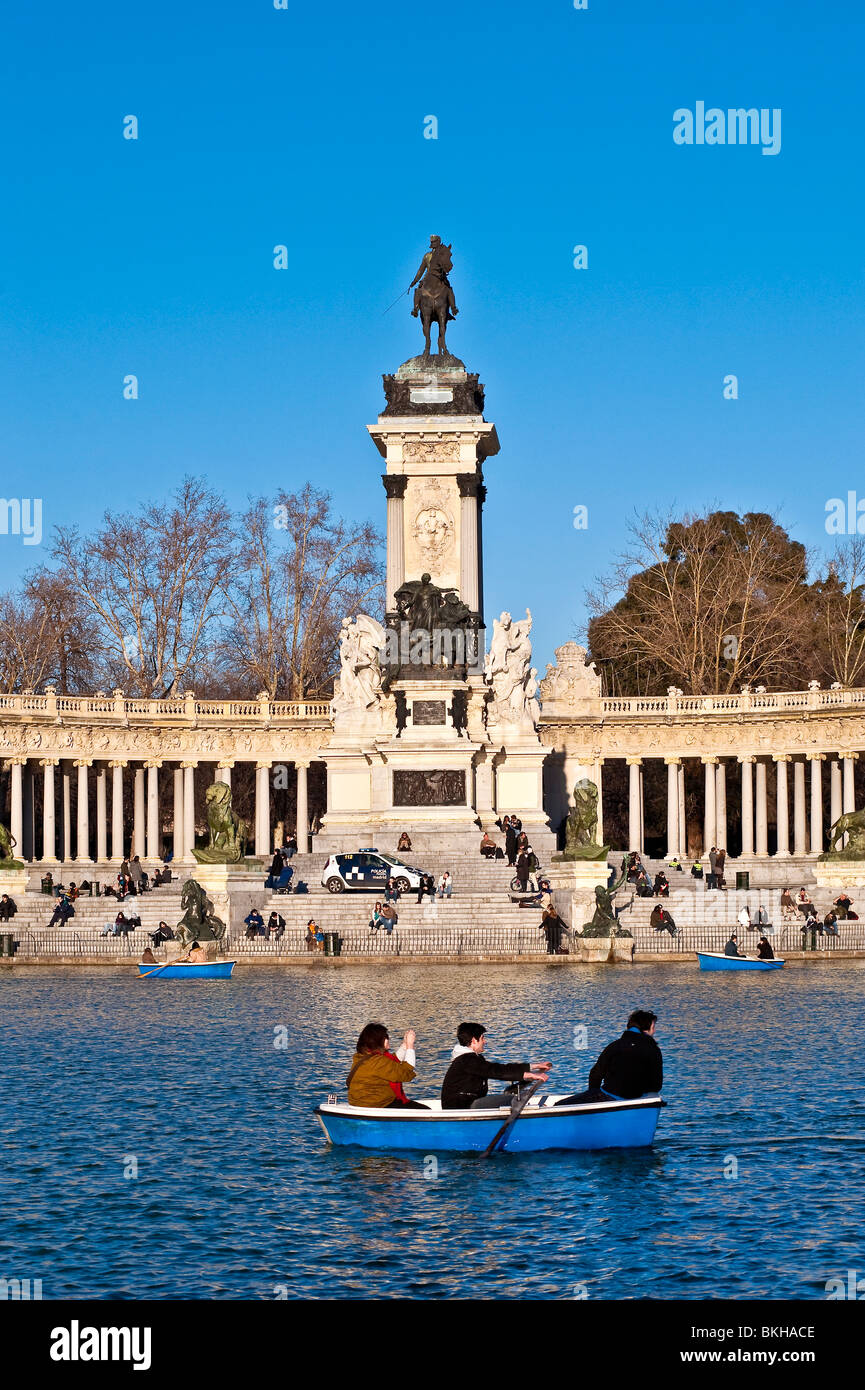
point(629, 1067)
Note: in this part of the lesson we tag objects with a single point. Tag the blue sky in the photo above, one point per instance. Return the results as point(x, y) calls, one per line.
point(305, 127)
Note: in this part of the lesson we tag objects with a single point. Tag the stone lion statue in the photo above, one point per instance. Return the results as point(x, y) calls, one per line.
point(198, 922)
point(7, 843)
point(582, 825)
point(228, 833)
point(852, 824)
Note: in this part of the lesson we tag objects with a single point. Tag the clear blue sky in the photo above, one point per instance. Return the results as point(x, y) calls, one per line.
point(305, 127)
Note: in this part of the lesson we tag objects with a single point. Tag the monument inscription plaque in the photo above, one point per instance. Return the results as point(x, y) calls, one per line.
point(416, 788)
point(428, 712)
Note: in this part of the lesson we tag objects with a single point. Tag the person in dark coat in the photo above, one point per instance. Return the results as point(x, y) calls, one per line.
point(553, 928)
point(426, 887)
point(275, 926)
point(660, 920)
point(510, 841)
point(523, 871)
point(465, 1086)
point(732, 946)
point(8, 908)
point(629, 1067)
point(764, 949)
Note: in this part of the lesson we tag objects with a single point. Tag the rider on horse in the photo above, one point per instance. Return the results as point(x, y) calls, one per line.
point(429, 266)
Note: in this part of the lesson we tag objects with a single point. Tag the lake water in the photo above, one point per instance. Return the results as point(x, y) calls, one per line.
point(237, 1194)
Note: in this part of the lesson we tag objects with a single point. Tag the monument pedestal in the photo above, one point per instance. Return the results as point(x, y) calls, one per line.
point(573, 882)
point(839, 873)
point(234, 889)
point(14, 882)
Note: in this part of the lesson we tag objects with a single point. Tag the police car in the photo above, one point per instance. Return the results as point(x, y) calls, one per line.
point(368, 869)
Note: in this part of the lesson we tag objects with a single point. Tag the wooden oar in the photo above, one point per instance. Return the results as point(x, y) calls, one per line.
point(517, 1108)
point(163, 967)
point(156, 971)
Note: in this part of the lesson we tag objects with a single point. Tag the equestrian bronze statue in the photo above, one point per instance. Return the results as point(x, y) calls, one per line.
point(433, 298)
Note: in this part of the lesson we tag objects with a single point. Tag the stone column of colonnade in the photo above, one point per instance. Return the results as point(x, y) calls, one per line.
point(635, 804)
point(807, 837)
point(107, 838)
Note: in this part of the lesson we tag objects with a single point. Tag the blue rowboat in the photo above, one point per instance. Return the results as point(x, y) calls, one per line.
point(615, 1124)
point(207, 970)
point(716, 960)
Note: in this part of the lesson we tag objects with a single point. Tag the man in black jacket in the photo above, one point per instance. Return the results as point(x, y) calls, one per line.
point(465, 1083)
point(629, 1067)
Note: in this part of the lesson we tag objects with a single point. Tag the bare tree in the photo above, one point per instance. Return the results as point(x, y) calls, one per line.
point(45, 637)
point(300, 570)
point(706, 603)
point(154, 581)
point(839, 607)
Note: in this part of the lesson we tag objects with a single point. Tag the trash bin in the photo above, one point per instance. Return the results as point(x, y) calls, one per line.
point(743, 879)
point(330, 943)
point(337, 944)
point(7, 944)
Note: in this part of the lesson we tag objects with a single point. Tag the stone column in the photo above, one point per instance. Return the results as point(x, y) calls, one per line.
point(762, 837)
point(16, 818)
point(721, 805)
point(599, 783)
point(469, 484)
point(394, 486)
point(709, 811)
point(117, 765)
point(262, 809)
point(673, 846)
point(683, 822)
point(783, 805)
point(188, 809)
point(101, 814)
point(635, 804)
point(153, 846)
point(816, 761)
point(49, 829)
point(177, 822)
point(67, 815)
point(82, 839)
point(28, 853)
point(849, 802)
point(223, 773)
point(139, 844)
point(747, 806)
point(800, 843)
point(302, 827)
point(834, 791)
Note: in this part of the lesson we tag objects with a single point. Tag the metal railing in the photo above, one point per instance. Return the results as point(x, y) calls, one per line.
point(415, 941)
point(789, 937)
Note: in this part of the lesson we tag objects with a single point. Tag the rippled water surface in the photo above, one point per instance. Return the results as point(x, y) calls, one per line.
point(238, 1196)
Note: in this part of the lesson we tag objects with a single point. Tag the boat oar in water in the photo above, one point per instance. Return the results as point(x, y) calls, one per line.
point(157, 970)
point(518, 1105)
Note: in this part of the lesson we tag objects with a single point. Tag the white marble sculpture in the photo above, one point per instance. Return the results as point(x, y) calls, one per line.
point(358, 692)
point(508, 670)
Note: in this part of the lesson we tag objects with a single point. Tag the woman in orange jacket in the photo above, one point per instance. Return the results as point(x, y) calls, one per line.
point(377, 1075)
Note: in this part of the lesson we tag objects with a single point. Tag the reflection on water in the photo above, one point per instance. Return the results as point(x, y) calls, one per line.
point(237, 1194)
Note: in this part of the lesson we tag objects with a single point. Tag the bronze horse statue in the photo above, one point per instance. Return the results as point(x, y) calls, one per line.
point(435, 298)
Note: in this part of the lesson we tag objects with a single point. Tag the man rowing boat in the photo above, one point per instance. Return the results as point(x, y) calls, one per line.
point(466, 1082)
